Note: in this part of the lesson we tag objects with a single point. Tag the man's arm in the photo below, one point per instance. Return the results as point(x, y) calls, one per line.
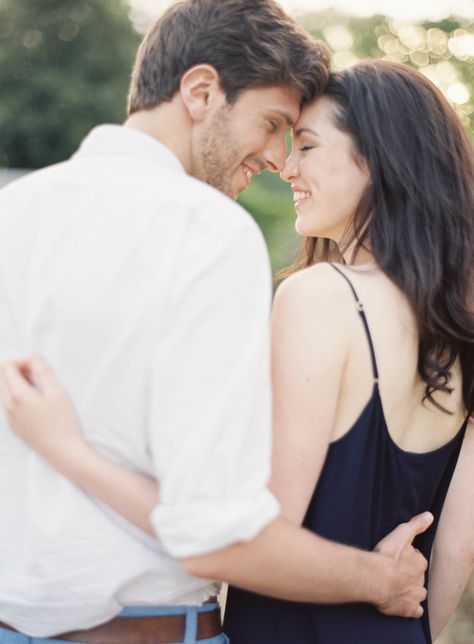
point(452, 561)
point(283, 560)
point(291, 563)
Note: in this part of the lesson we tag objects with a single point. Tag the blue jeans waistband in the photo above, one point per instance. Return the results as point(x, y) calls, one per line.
point(158, 611)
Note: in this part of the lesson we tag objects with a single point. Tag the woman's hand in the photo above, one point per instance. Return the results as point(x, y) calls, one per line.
point(40, 412)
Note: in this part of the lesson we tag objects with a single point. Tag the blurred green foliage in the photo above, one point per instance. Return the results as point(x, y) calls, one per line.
point(271, 203)
point(64, 67)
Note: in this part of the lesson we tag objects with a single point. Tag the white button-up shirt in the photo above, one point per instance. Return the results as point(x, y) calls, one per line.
point(149, 293)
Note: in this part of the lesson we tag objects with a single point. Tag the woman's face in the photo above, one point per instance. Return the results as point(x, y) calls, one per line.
point(326, 181)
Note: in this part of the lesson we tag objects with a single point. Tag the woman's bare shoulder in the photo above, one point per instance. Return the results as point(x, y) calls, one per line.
point(316, 304)
point(317, 283)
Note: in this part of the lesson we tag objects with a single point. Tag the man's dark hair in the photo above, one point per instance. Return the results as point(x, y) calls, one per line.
point(251, 43)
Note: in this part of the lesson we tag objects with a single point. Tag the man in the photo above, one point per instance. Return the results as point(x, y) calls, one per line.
point(149, 292)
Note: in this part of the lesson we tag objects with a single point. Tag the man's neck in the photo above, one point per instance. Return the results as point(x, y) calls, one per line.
point(168, 124)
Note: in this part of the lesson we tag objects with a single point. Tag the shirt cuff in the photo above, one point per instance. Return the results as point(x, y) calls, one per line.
point(190, 529)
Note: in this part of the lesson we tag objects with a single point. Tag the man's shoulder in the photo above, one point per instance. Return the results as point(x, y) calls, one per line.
point(138, 187)
point(217, 225)
point(24, 180)
point(214, 208)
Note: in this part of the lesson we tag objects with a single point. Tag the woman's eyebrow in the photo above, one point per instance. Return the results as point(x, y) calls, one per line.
point(302, 130)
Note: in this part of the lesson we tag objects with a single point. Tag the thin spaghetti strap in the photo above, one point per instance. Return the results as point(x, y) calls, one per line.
point(361, 312)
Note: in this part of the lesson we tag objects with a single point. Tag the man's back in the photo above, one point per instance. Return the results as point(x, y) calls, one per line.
point(97, 256)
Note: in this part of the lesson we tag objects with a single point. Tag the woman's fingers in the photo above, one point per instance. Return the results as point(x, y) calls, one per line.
point(22, 378)
point(16, 391)
point(16, 383)
point(4, 389)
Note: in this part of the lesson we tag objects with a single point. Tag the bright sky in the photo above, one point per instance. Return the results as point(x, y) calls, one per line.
point(402, 9)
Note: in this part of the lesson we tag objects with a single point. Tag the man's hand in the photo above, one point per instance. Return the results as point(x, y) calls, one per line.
point(405, 591)
point(39, 411)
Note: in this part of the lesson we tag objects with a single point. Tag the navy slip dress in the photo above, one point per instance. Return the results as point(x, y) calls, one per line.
point(368, 486)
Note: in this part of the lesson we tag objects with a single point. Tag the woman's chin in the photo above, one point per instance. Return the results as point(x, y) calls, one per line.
point(303, 228)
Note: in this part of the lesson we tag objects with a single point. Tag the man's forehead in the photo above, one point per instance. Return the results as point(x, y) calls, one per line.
point(280, 102)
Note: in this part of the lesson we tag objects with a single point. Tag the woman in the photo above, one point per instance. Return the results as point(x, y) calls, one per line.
point(380, 166)
point(372, 360)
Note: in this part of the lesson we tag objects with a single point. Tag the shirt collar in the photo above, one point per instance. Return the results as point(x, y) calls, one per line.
point(105, 140)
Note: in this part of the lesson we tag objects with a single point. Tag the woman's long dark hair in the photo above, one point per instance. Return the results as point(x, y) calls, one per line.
point(417, 214)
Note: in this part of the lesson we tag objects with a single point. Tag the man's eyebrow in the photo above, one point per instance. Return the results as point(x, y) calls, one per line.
point(302, 130)
point(284, 115)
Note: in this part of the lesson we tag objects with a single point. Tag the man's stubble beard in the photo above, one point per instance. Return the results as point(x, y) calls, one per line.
point(217, 153)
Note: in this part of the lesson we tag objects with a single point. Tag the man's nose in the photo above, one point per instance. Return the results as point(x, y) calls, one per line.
point(275, 154)
point(290, 169)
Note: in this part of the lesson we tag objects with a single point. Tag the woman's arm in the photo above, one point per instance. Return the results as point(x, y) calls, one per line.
point(313, 316)
point(452, 561)
point(41, 413)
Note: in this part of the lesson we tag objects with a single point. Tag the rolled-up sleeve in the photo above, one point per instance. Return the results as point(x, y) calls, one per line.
point(210, 420)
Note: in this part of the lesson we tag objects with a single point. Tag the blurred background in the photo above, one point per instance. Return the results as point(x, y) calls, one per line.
point(65, 67)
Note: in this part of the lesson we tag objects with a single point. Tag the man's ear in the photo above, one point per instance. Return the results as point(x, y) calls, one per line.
point(200, 90)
